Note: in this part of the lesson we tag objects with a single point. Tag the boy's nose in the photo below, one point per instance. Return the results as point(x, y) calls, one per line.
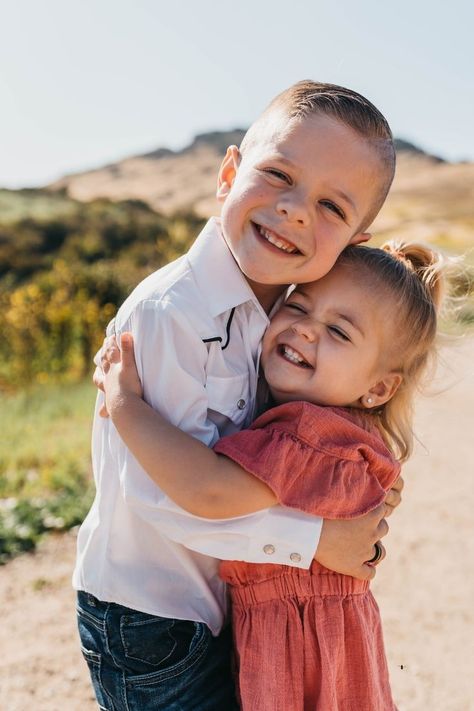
point(293, 209)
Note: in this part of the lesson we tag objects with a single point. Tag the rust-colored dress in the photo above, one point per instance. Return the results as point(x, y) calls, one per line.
point(310, 640)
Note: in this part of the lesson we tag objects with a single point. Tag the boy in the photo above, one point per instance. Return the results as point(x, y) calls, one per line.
point(309, 178)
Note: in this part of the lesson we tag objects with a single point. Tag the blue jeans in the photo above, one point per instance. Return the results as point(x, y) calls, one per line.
point(140, 662)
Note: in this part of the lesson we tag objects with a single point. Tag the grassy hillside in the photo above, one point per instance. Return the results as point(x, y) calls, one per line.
point(64, 268)
point(45, 478)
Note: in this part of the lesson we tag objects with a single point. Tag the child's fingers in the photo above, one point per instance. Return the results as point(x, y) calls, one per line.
point(103, 412)
point(379, 554)
point(126, 341)
point(399, 484)
point(368, 572)
point(98, 378)
point(110, 354)
point(368, 569)
point(394, 496)
point(126, 344)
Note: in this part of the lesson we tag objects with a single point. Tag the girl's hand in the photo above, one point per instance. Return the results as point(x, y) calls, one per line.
point(120, 380)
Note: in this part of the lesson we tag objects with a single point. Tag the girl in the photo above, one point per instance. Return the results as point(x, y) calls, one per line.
point(342, 359)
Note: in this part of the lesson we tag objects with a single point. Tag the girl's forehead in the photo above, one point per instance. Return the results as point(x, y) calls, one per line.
point(341, 280)
point(343, 288)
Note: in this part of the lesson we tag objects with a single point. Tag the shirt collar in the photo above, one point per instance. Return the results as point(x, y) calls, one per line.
point(217, 274)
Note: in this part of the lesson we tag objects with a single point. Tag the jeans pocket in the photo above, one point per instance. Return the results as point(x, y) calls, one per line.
point(151, 643)
point(181, 647)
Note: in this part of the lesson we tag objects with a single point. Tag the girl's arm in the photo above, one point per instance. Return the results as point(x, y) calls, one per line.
point(200, 481)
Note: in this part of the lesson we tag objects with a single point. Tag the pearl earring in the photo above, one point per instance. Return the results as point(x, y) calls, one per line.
point(369, 401)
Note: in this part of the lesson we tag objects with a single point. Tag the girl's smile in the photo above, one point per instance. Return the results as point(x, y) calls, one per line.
point(328, 343)
point(293, 356)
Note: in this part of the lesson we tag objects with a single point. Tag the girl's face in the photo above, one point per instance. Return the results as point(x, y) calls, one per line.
point(327, 344)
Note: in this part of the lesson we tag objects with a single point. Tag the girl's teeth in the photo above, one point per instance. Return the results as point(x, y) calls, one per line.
point(278, 243)
point(292, 355)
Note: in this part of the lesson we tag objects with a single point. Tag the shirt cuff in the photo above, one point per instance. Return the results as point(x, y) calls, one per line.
point(287, 537)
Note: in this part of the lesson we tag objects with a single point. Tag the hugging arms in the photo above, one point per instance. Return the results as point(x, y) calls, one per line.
point(212, 486)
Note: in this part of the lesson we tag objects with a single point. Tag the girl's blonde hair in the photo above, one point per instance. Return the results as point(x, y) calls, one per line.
point(415, 279)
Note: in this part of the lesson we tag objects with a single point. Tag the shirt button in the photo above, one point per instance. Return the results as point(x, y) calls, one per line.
point(295, 557)
point(269, 549)
point(241, 404)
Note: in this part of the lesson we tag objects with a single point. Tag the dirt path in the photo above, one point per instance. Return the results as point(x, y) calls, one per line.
point(425, 587)
point(41, 667)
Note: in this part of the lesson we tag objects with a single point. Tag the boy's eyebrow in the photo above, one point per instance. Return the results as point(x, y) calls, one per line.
point(346, 199)
point(340, 193)
point(282, 159)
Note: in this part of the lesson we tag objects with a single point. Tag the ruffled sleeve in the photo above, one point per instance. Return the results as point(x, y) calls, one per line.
point(317, 459)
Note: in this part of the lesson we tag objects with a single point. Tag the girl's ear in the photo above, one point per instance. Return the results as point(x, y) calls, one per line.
point(227, 172)
point(382, 392)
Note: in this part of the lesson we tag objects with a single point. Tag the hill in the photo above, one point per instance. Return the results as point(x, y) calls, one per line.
point(71, 252)
point(430, 198)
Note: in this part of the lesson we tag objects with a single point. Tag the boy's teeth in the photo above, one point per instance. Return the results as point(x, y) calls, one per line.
point(293, 356)
point(285, 246)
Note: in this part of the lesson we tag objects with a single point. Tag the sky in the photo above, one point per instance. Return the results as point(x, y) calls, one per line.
point(84, 84)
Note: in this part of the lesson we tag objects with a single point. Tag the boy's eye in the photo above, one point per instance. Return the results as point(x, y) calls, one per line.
point(339, 333)
point(333, 208)
point(278, 174)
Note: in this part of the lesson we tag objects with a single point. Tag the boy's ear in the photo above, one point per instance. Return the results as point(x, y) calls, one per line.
point(382, 392)
point(227, 172)
point(360, 237)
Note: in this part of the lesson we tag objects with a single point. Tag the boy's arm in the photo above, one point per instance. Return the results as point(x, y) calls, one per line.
point(174, 359)
point(213, 486)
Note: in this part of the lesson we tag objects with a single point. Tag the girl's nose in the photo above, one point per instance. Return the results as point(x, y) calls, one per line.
point(306, 328)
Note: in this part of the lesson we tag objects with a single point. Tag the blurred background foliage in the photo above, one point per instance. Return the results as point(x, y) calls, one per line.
point(64, 268)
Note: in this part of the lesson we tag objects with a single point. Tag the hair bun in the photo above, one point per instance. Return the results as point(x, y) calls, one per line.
point(427, 264)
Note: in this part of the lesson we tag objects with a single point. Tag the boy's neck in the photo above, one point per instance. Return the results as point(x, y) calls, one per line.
point(266, 294)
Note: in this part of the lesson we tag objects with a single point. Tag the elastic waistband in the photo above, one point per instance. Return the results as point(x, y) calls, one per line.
point(297, 584)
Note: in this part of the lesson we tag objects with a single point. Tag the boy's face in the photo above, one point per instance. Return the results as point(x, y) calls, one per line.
point(296, 198)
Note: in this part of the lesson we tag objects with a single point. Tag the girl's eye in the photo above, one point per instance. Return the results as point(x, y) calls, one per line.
point(277, 174)
point(333, 208)
point(296, 307)
point(335, 330)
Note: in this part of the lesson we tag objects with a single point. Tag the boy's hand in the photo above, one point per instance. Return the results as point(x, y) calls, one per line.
point(347, 546)
point(120, 375)
point(394, 496)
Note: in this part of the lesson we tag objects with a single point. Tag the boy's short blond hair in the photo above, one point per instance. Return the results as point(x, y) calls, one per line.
point(345, 105)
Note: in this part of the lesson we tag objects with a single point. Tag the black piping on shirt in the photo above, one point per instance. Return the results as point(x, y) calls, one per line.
point(227, 330)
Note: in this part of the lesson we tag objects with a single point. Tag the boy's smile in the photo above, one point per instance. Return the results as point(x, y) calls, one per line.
point(296, 198)
point(276, 239)
point(327, 343)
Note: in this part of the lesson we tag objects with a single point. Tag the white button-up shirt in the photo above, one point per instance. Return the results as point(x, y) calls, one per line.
point(197, 328)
